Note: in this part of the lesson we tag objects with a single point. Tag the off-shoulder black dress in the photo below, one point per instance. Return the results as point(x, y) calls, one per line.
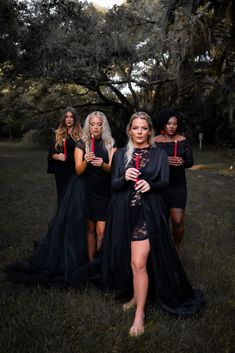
point(176, 194)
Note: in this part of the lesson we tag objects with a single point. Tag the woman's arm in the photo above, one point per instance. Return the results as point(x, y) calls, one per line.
point(81, 160)
point(107, 166)
point(54, 154)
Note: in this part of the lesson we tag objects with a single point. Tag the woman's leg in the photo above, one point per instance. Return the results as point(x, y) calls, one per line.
point(139, 255)
point(177, 222)
point(100, 228)
point(91, 240)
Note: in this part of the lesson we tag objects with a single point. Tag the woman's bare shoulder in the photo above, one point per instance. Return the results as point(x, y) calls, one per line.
point(159, 138)
point(181, 138)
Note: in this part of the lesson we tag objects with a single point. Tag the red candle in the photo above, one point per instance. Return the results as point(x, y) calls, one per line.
point(65, 149)
point(92, 144)
point(137, 164)
point(175, 149)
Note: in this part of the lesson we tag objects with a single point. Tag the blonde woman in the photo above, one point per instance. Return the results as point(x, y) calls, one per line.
point(61, 153)
point(139, 256)
point(93, 158)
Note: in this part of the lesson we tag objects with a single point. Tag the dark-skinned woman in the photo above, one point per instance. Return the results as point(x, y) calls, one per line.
point(168, 127)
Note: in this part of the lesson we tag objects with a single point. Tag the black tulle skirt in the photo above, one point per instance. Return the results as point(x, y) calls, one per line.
point(64, 248)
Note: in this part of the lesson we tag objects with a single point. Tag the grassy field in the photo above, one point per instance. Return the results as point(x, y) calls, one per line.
point(50, 320)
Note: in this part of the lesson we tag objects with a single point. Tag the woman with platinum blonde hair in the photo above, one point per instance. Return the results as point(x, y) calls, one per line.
point(139, 257)
point(93, 157)
point(106, 135)
point(150, 138)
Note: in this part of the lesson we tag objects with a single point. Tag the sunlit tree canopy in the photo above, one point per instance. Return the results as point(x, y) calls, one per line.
point(142, 55)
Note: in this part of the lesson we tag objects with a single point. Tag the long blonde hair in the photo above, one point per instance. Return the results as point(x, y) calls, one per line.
point(130, 146)
point(61, 133)
point(106, 135)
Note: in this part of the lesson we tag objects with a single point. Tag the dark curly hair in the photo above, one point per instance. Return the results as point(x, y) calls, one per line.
point(162, 118)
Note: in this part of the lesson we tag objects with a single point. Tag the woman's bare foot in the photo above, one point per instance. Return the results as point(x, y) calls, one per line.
point(129, 305)
point(137, 328)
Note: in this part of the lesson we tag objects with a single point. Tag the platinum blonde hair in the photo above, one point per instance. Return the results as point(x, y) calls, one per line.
point(106, 135)
point(130, 146)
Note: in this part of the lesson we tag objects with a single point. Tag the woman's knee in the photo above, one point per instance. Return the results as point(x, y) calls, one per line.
point(90, 228)
point(138, 265)
point(100, 228)
point(177, 222)
point(177, 218)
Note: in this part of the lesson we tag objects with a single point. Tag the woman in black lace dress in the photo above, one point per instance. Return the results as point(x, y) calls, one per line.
point(93, 159)
point(178, 149)
point(139, 255)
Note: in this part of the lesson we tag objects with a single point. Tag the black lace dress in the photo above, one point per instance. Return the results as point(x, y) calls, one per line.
point(138, 227)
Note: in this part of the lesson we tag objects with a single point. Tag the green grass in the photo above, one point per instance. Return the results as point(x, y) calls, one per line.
point(36, 319)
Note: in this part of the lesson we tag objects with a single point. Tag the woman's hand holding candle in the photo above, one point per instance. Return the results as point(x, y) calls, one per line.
point(132, 174)
point(61, 157)
point(175, 161)
point(89, 156)
point(97, 162)
point(142, 186)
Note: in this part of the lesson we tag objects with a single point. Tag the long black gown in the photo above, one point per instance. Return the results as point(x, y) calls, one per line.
point(168, 283)
point(64, 248)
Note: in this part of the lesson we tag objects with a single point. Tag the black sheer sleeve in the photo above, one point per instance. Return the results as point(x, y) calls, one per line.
point(160, 180)
point(188, 157)
point(81, 145)
point(118, 181)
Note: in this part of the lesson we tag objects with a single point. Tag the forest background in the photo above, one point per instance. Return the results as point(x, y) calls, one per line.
point(142, 55)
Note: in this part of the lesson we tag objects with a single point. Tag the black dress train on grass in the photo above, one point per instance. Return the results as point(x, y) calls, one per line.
point(61, 256)
point(64, 248)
